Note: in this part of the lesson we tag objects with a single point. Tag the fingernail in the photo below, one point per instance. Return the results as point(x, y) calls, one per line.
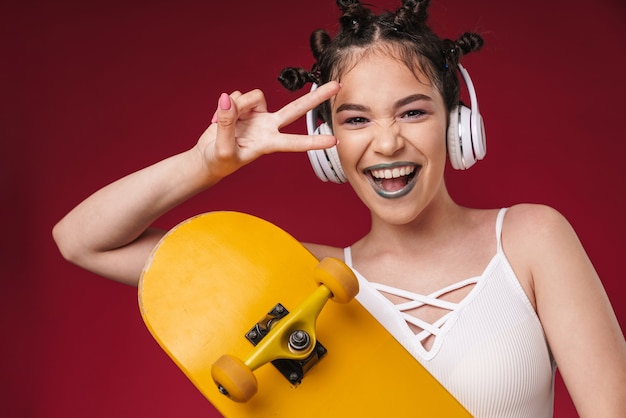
point(214, 118)
point(224, 101)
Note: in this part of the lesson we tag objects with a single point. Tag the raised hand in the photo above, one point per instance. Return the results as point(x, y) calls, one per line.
point(242, 129)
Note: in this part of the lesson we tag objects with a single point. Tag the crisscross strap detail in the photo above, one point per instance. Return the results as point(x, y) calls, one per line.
point(416, 300)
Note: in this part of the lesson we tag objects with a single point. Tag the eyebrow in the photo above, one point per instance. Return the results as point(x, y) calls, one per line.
point(402, 102)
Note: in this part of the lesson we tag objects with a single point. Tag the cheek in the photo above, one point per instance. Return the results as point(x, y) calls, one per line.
point(350, 149)
point(429, 140)
point(438, 145)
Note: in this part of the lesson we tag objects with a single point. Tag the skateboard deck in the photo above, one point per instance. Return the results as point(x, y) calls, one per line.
point(219, 275)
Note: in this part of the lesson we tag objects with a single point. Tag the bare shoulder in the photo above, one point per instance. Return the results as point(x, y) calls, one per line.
point(527, 222)
point(537, 231)
point(533, 213)
point(538, 241)
point(322, 251)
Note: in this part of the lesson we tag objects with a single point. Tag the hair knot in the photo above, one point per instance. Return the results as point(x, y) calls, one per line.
point(293, 78)
point(355, 16)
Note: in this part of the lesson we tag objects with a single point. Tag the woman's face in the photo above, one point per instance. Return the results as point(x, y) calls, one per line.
point(391, 128)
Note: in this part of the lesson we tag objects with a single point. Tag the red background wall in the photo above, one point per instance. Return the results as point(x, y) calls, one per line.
point(94, 90)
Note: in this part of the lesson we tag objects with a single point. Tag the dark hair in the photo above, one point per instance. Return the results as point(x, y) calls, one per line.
point(402, 34)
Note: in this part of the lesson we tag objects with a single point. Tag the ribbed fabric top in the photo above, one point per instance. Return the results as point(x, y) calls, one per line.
point(489, 350)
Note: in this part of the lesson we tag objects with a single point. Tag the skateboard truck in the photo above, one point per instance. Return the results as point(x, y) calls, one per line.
point(286, 339)
point(298, 341)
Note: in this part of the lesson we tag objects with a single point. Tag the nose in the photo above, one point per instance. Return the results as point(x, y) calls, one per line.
point(388, 140)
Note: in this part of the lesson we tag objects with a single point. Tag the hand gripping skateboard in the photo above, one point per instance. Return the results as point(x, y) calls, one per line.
point(241, 307)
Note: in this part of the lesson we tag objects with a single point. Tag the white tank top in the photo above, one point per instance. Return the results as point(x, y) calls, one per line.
point(489, 350)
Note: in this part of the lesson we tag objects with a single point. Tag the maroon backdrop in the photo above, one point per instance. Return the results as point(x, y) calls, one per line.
point(93, 90)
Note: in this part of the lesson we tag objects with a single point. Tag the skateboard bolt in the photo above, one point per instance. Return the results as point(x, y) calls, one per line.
point(299, 340)
point(222, 390)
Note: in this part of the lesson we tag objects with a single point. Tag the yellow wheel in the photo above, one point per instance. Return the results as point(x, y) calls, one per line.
point(339, 278)
point(234, 379)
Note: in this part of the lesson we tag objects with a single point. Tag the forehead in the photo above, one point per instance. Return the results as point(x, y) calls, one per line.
point(389, 52)
point(376, 79)
point(384, 66)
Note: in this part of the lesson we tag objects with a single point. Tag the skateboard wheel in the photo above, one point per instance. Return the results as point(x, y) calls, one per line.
point(234, 379)
point(339, 278)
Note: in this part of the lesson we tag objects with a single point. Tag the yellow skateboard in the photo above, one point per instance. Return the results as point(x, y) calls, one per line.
point(262, 328)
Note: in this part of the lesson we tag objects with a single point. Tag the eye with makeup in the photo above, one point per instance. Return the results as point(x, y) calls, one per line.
point(355, 121)
point(358, 121)
point(414, 114)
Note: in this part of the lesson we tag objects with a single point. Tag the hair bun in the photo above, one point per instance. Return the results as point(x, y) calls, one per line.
point(469, 42)
point(293, 78)
point(319, 40)
point(412, 13)
point(354, 16)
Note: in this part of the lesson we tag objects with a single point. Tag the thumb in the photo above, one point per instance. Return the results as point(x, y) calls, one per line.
point(224, 105)
point(226, 117)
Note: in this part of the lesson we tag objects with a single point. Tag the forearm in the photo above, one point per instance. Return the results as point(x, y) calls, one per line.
point(117, 216)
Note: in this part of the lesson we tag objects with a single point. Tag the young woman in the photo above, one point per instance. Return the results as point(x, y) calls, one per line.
point(489, 301)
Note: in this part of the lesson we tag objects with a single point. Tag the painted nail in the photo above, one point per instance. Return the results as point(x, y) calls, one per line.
point(224, 101)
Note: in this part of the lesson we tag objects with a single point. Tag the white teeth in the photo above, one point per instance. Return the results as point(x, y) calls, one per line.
point(388, 173)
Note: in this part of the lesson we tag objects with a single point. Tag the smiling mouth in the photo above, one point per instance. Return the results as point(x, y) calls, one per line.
point(392, 181)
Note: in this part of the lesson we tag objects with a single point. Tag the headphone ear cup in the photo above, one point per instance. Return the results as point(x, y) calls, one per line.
point(454, 140)
point(460, 139)
point(465, 137)
point(479, 140)
point(314, 159)
point(326, 162)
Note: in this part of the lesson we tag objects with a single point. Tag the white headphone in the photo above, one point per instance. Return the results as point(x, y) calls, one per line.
point(466, 139)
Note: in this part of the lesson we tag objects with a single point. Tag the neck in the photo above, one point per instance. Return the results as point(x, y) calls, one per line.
point(435, 223)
